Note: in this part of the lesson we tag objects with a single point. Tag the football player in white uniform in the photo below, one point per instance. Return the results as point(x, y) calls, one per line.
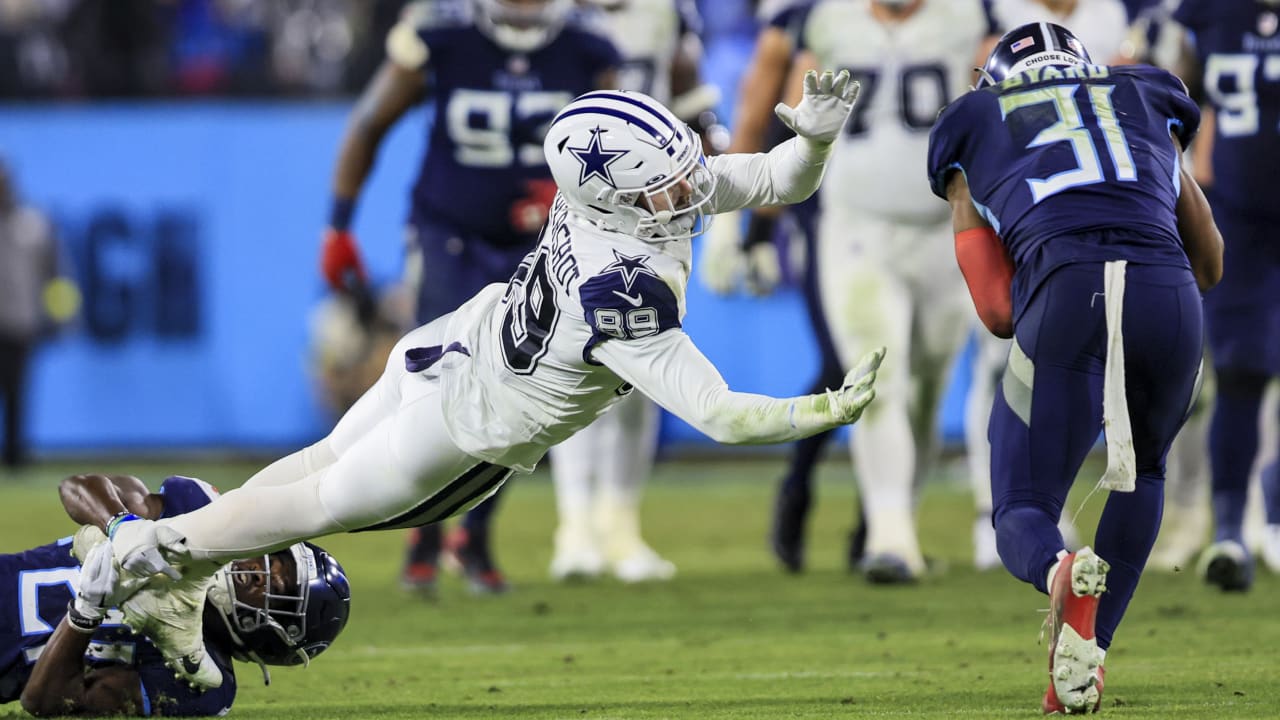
point(594, 312)
point(884, 260)
point(599, 473)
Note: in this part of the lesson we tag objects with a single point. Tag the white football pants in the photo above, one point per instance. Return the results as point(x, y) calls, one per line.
point(897, 285)
point(388, 463)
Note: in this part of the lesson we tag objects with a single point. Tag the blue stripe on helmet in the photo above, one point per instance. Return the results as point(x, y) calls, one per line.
point(624, 116)
point(624, 98)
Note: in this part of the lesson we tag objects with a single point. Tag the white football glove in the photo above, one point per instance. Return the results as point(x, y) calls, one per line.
point(94, 590)
point(140, 545)
point(764, 271)
point(721, 263)
point(857, 391)
point(822, 111)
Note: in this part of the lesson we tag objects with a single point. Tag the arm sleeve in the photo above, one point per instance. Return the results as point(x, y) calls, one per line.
point(672, 372)
point(787, 174)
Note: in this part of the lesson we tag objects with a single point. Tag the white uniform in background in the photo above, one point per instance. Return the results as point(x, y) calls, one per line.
point(1102, 25)
point(599, 474)
point(887, 272)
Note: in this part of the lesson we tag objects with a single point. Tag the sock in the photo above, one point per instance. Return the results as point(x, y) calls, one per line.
point(1233, 445)
point(1126, 533)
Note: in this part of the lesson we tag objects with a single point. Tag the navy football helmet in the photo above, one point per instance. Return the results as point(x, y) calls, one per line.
point(1031, 45)
point(288, 627)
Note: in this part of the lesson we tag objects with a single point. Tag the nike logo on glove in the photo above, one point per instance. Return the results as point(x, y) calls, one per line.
point(635, 301)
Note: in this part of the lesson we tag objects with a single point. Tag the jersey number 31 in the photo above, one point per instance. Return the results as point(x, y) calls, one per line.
point(1070, 128)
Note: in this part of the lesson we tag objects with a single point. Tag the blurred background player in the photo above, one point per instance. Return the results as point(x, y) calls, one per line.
point(880, 242)
point(34, 297)
point(730, 257)
point(498, 71)
point(1238, 48)
point(599, 473)
point(91, 664)
point(1059, 250)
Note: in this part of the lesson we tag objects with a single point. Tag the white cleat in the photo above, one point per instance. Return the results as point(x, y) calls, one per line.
point(171, 616)
point(985, 555)
point(580, 562)
point(1182, 534)
point(643, 565)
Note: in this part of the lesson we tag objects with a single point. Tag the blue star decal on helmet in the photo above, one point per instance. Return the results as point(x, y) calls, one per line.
point(596, 160)
point(629, 268)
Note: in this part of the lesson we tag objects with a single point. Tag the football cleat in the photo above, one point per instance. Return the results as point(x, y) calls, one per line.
point(470, 553)
point(786, 535)
point(419, 578)
point(1074, 657)
point(577, 555)
point(643, 564)
point(1228, 565)
point(171, 616)
point(887, 569)
point(1051, 705)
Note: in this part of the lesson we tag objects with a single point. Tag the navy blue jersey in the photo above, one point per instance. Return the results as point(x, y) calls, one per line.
point(39, 583)
point(1238, 42)
point(484, 157)
point(1071, 164)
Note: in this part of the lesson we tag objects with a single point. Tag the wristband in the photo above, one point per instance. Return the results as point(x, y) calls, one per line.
point(340, 213)
point(117, 520)
point(759, 230)
point(80, 622)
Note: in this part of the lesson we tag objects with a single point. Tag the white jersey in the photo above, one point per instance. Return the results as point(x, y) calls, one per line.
point(647, 34)
point(909, 70)
point(1101, 25)
point(527, 363)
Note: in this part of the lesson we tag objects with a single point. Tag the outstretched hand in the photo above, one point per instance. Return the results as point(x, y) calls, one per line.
point(858, 389)
point(821, 113)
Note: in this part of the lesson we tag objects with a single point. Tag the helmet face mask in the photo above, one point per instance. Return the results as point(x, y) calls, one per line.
point(625, 163)
point(273, 625)
point(1028, 46)
point(521, 25)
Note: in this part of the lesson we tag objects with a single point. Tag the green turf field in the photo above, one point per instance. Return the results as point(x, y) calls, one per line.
point(731, 637)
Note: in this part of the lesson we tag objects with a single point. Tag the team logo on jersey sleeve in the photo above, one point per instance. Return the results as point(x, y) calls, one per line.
point(596, 160)
point(629, 268)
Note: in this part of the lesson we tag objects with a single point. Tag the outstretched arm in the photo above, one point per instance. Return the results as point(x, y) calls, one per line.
point(93, 499)
point(672, 372)
point(792, 171)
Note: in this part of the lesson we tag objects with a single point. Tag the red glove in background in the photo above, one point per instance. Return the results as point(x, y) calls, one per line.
point(339, 258)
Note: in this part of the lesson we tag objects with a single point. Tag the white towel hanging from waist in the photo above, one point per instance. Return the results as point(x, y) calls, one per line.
point(1122, 472)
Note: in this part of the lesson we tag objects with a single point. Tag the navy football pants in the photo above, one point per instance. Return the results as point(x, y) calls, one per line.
point(1040, 432)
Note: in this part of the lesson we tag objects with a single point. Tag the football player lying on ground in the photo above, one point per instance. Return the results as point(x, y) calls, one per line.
point(1073, 219)
point(593, 312)
point(64, 651)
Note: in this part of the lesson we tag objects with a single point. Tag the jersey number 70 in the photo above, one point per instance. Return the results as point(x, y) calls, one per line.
point(1070, 128)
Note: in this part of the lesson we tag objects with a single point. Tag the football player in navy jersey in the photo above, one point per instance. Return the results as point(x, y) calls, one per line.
point(63, 654)
point(1080, 236)
point(1237, 44)
point(498, 71)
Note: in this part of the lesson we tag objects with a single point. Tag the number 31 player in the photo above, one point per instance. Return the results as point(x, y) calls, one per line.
point(1081, 236)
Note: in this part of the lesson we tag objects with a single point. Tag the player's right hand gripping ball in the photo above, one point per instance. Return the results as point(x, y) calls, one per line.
point(340, 259)
point(858, 389)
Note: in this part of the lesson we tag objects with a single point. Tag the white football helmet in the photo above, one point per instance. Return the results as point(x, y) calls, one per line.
point(521, 25)
point(627, 164)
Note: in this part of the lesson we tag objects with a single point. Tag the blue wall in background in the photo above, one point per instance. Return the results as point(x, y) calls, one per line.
point(195, 230)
